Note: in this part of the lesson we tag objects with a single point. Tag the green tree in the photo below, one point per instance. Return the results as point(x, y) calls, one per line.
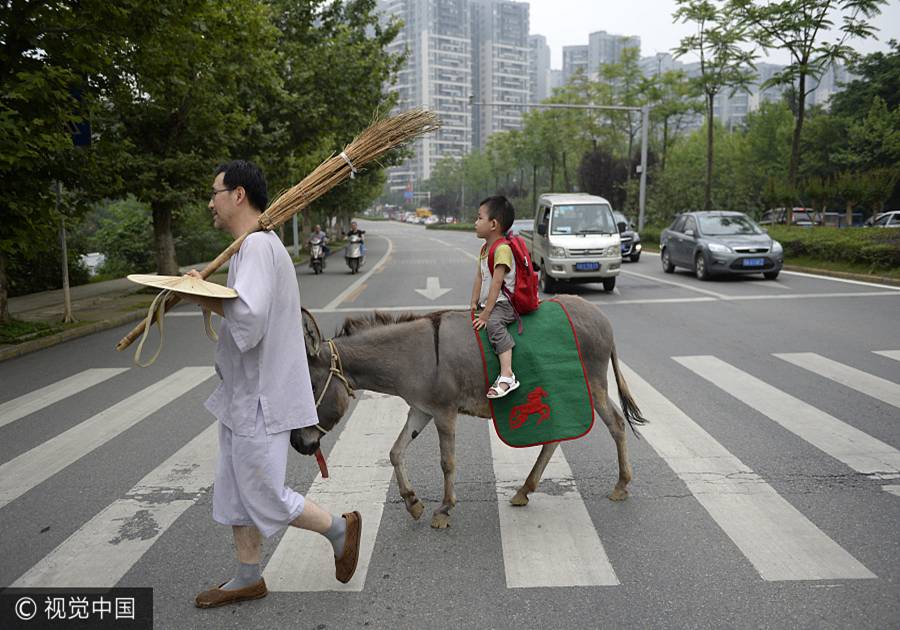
point(853, 189)
point(877, 74)
point(724, 64)
point(190, 96)
point(56, 60)
point(674, 101)
point(873, 141)
point(800, 28)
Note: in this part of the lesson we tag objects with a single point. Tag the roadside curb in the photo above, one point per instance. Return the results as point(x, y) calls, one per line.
point(41, 343)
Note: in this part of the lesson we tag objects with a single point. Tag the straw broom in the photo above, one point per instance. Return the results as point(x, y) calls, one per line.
point(379, 138)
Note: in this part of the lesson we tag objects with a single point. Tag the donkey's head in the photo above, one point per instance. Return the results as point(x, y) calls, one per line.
point(334, 402)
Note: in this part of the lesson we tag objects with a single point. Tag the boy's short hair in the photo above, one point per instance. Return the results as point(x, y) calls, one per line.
point(501, 210)
point(248, 176)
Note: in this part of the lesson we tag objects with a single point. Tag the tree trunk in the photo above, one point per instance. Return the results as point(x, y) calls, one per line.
point(850, 205)
point(665, 142)
point(4, 283)
point(565, 170)
point(553, 175)
point(534, 187)
point(707, 195)
point(798, 128)
point(164, 243)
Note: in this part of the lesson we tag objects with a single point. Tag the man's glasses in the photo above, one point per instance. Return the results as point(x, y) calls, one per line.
point(215, 192)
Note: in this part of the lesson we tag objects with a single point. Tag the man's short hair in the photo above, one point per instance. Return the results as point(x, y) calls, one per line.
point(501, 210)
point(248, 176)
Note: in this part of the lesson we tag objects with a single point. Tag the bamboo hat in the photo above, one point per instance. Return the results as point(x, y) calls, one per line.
point(184, 284)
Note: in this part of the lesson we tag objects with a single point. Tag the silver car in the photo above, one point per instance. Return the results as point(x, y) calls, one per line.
point(712, 243)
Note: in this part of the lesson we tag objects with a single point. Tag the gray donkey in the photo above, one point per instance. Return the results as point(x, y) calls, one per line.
point(433, 362)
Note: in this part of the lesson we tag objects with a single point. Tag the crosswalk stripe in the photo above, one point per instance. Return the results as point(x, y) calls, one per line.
point(31, 468)
point(890, 354)
point(360, 475)
point(553, 541)
point(105, 548)
point(12, 410)
point(895, 490)
point(775, 537)
point(860, 451)
point(874, 386)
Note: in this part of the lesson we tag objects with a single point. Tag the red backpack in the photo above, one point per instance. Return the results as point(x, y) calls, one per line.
point(525, 296)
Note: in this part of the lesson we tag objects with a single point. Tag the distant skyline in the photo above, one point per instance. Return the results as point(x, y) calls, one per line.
point(569, 22)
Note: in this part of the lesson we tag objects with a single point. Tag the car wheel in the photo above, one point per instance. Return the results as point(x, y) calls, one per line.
point(700, 269)
point(770, 275)
point(635, 257)
point(546, 282)
point(609, 284)
point(667, 265)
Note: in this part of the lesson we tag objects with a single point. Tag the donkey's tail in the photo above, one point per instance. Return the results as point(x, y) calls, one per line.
point(629, 407)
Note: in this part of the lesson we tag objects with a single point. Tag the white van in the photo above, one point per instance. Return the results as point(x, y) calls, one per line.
point(575, 239)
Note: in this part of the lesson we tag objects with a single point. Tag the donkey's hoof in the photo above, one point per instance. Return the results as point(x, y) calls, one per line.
point(519, 499)
point(440, 521)
point(416, 509)
point(618, 494)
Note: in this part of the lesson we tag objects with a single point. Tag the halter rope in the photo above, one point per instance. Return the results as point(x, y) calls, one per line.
point(335, 371)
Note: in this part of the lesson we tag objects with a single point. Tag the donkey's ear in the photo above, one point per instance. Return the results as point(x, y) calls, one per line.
point(311, 335)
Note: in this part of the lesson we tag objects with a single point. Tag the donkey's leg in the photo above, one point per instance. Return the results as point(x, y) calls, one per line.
point(446, 426)
point(534, 477)
point(616, 425)
point(416, 420)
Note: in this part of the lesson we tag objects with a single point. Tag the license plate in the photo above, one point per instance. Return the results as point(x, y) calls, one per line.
point(754, 262)
point(587, 266)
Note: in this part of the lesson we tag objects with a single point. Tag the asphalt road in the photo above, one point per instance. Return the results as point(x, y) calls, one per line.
point(766, 489)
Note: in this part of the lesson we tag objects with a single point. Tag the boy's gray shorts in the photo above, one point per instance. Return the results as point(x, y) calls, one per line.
point(502, 315)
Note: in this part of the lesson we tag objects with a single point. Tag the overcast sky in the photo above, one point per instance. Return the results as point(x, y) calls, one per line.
point(568, 23)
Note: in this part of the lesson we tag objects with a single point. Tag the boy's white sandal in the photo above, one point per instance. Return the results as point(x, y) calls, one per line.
point(511, 383)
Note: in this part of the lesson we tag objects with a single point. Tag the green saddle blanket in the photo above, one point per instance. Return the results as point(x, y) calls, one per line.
point(553, 401)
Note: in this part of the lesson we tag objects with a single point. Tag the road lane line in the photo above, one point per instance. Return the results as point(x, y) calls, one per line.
point(33, 467)
point(860, 451)
point(105, 548)
point(869, 384)
point(360, 476)
point(552, 542)
point(895, 490)
point(349, 290)
point(890, 354)
point(12, 410)
point(777, 539)
point(720, 296)
point(844, 280)
point(370, 309)
point(813, 296)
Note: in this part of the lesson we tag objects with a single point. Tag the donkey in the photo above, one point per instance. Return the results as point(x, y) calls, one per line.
point(434, 363)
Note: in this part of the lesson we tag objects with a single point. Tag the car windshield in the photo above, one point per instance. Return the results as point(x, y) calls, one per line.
point(583, 219)
point(726, 225)
point(522, 224)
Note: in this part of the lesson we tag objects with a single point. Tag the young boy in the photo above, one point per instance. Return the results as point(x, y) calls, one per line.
point(495, 217)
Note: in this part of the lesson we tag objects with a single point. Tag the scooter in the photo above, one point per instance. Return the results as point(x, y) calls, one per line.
point(353, 253)
point(316, 255)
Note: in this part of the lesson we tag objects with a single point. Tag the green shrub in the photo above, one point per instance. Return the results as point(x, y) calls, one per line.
point(877, 248)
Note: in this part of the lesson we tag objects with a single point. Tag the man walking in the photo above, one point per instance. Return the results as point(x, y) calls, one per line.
point(265, 392)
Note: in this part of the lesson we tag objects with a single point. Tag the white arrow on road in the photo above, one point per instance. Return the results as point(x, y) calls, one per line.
point(432, 289)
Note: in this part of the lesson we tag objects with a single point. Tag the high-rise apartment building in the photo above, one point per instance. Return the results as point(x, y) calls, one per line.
point(538, 68)
point(575, 59)
point(606, 48)
point(500, 54)
point(438, 75)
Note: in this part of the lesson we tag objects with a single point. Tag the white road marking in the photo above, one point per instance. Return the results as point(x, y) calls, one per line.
point(869, 384)
point(777, 539)
point(105, 548)
point(890, 354)
point(813, 296)
point(895, 490)
point(12, 410)
point(552, 542)
point(21, 474)
point(349, 290)
point(844, 280)
point(860, 451)
point(369, 309)
point(432, 289)
point(360, 475)
point(680, 285)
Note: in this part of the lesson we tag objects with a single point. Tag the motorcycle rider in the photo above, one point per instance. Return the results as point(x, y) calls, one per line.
point(355, 231)
point(320, 234)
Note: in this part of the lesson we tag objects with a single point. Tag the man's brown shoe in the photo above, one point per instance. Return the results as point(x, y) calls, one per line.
point(345, 566)
point(217, 597)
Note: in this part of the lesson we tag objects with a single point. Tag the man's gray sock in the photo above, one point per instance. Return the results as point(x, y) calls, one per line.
point(336, 534)
point(247, 575)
